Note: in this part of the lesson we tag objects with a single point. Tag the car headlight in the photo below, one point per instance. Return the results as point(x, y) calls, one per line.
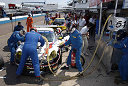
point(52, 55)
point(18, 54)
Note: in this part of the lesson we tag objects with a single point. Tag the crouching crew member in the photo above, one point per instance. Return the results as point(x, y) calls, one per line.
point(12, 43)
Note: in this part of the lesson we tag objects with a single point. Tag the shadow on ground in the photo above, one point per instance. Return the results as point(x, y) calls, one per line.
point(6, 49)
point(12, 80)
point(11, 76)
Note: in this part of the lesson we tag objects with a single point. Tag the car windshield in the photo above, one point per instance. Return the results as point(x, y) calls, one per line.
point(48, 34)
point(59, 20)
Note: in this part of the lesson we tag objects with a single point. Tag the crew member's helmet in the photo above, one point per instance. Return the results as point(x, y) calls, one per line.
point(121, 34)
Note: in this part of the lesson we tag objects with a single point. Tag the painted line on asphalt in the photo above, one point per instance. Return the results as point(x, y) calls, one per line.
point(4, 35)
point(13, 20)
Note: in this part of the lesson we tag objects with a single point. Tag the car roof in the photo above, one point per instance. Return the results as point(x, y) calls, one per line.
point(45, 29)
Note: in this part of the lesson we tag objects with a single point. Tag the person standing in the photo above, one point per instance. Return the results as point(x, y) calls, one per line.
point(29, 22)
point(85, 34)
point(82, 23)
point(92, 30)
point(76, 44)
point(97, 25)
point(47, 19)
point(30, 49)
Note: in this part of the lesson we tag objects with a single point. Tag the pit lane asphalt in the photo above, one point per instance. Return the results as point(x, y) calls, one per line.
point(98, 78)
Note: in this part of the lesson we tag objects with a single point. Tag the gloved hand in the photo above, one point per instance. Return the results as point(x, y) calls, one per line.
point(74, 50)
point(61, 46)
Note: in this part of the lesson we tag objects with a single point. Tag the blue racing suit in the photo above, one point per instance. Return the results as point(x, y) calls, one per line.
point(30, 49)
point(76, 43)
point(12, 43)
point(123, 65)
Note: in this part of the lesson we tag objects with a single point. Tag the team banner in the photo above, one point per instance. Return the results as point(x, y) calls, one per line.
point(96, 2)
point(125, 4)
point(117, 23)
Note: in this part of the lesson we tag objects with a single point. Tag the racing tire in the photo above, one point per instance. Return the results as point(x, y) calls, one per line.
point(1, 62)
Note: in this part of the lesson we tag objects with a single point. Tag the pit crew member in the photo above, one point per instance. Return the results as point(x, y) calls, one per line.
point(76, 44)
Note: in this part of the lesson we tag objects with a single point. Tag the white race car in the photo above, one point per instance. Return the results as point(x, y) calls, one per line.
point(55, 53)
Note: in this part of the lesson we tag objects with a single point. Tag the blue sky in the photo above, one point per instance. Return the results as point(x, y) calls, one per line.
point(60, 2)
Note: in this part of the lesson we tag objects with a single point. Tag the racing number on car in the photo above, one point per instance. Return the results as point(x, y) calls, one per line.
point(120, 24)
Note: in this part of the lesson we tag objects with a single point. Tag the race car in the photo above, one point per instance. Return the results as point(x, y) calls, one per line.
point(60, 22)
point(55, 53)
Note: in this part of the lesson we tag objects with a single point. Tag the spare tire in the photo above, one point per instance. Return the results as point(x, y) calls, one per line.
point(1, 62)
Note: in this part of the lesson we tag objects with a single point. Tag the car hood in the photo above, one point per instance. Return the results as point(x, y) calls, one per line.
point(41, 51)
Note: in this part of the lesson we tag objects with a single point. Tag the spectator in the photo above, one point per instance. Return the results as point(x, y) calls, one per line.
point(47, 19)
point(82, 23)
point(85, 34)
point(92, 30)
